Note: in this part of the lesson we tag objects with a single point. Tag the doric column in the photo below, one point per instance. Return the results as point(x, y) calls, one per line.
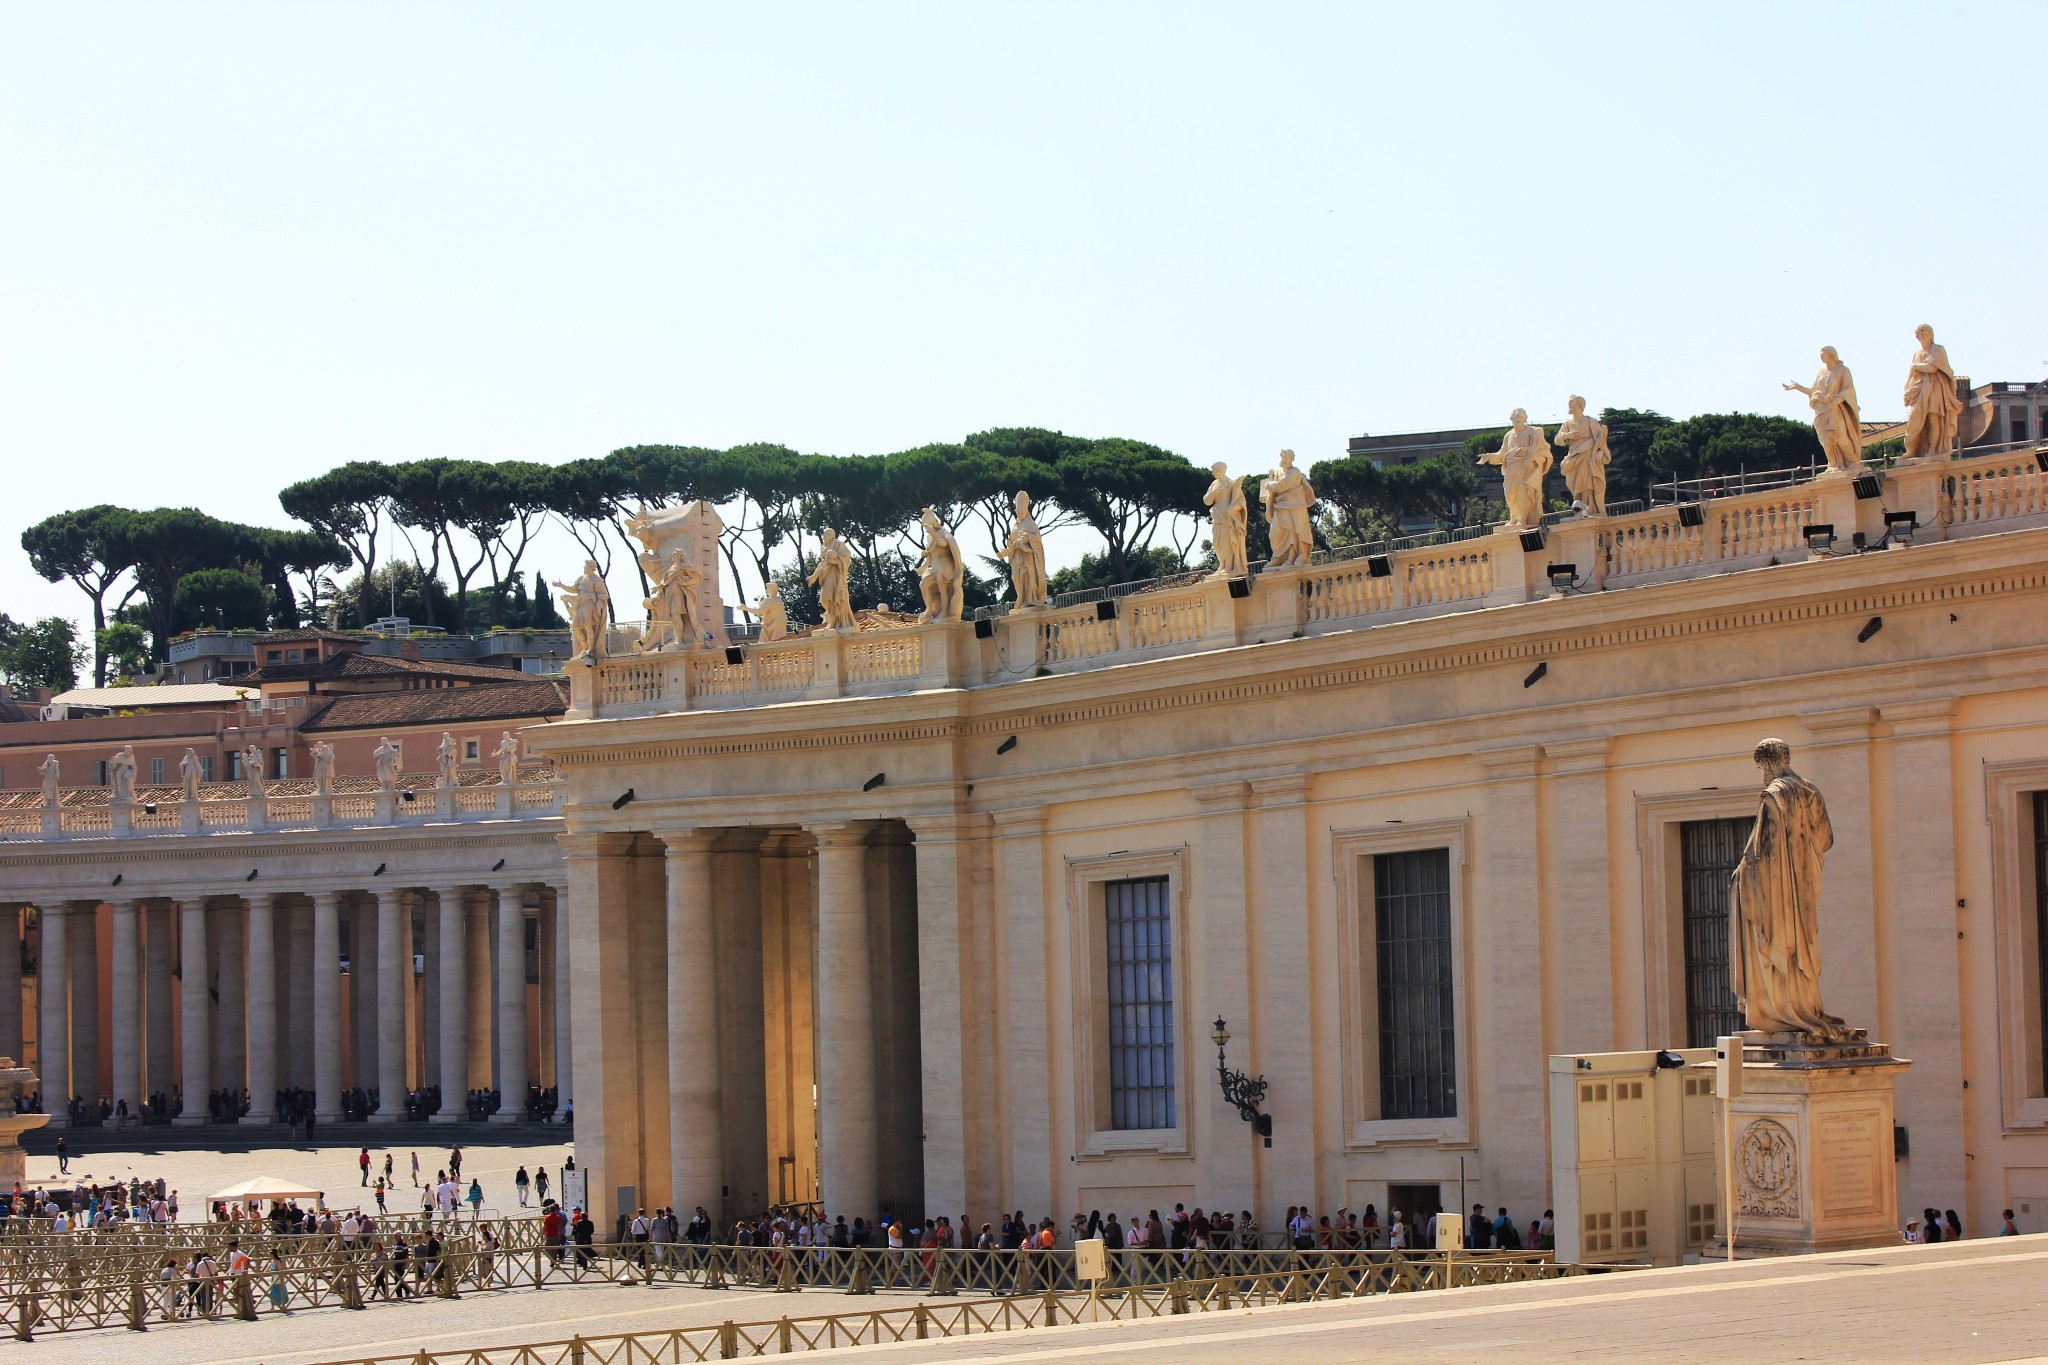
point(742, 1009)
point(126, 983)
point(695, 1117)
point(480, 984)
point(83, 939)
point(610, 1089)
point(846, 1025)
point(454, 987)
point(1837, 760)
point(53, 1025)
point(1220, 968)
point(231, 1019)
point(952, 1017)
point(327, 1006)
point(511, 1005)
point(1507, 967)
point(10, 982)
point(158, 955)
point(196, 1040)
point(394, 967)
point(262, 998)
point(563, 1071)
point(298, 998)
point(1578, 933)
point(1283, 1043)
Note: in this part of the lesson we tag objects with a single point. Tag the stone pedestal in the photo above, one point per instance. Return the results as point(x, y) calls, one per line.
point(1813, 1146)
point(13, 1161)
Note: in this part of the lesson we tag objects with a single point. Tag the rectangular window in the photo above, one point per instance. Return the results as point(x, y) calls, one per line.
point(281, 763)
point(2019, 425)
point(469, 750)
point(99, 772)
point(1708, 853)
point(156, 772)
point(1417, 1012)
point(1140, 930)
point(206, 768)
point(234, 765)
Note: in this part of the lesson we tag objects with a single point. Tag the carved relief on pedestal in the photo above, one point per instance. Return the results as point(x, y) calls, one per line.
point(1767, 1170)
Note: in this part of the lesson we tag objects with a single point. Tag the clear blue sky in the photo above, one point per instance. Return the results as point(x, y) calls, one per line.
point(243, 243)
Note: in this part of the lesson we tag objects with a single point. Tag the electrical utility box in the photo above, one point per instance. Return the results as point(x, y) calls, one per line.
point(1632, 1172)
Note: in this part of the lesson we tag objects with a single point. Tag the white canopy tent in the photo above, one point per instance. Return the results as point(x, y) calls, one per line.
point(263, 1188)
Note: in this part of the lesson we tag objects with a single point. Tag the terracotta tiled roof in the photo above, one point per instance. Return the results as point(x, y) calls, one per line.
point(441, 706)
point(375, 666)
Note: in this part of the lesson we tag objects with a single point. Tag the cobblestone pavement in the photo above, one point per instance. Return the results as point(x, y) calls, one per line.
point(197, 1174)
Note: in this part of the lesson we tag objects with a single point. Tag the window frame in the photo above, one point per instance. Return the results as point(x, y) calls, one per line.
point(1684, 939)
point(1658, 818)
point(2009, 795)
point(1088, 944)
point(1353, 851)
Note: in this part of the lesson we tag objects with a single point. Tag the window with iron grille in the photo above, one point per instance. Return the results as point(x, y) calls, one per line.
point(1415, 976)
point(1708, 853)
point(1137, 916)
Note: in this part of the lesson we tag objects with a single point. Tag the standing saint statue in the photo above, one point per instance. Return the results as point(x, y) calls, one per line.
point(1227, 518)
point(772, 613)
point(1832, 396)
point(121, 775)
point(323, 767)
point(189, 770)
point(672, 611)
point(444, 761)
point(386, 759)
point(1932, 406)
point(1774, 906)
point(835, 561)
point(589, 604)
point(1024, 552)
point(49, 771)
point(1584, 442)
point(507, 754)
point(1524, 458)
point(1287, 496)
point(941, 573)
point(252, 770)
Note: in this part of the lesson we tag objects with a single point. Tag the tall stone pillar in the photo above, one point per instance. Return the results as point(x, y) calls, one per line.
point(742, 1015)
point(479, 952)
point(298, 996)
point(564, 1050)
point(196, 1001)
point(231, 1021)
point(695, 1108)
point(846, 1025)
point(394, 972)
point(454, 1012)
point(1024, 1022)
point(158, 954)
point(1217, 939)
point(327, 1006)
point(953, 1020)
point(1283, 1045)
point(53, 1024)
point(262, 998)
point(1578, 930)
point(511, 1005)
point(1837, 760)
point(126, 983)
point(1508, 1060)
point(10, 982)
point(83, 937)
point(606, 1040)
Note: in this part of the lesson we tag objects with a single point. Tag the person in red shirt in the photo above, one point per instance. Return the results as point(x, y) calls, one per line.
point(551, 1228)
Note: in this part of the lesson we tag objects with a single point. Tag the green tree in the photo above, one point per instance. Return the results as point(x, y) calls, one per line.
point(1125, 490)
point(398, 588)
point(1717, 444)
point(348, 504)
point(1630, 433)
point(224, 599)
point(1095, 571)
point(1363, 501)
point(90, 548)
point(125, 647)
point(45, 654)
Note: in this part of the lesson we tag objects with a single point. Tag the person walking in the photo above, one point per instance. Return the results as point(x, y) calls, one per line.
point(475, 1197)
point(363, 1160)
point(63, 1156)
point(522, 1183)
point(540, 1183)
point(2008, 1228)
point(415, 1170)
point(380, 1186)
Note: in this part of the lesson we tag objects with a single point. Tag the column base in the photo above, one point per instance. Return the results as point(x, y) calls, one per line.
point(191, 1120)
point(444, 1118)
point(256, 1121)
point(380, 1118)
point(506, 1116)
point(322, 1118)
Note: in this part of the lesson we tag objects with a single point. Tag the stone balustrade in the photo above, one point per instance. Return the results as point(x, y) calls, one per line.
point(288, 806)
point(1980, 495)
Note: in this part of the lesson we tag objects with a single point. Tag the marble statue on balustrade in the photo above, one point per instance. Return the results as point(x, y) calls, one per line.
point(507, 754)
point(672, 610)
point(1287, 497)
point(252, 770)
point(589, 604)
point(445, 759)
point(1584, 442)
point(1024, 552)
point(190, 770)
point(941, 572)
point(121, 776)
point(1932, 406)
point(771, 612)
point(386, 757)
point(1836, 421)
point(1774, 906)
point(48, 769)
point(323, 767)
point(1523, 458)
point(835, 562)
point(1228, 518)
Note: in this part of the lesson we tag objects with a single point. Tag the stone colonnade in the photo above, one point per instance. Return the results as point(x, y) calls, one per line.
point(391, 989)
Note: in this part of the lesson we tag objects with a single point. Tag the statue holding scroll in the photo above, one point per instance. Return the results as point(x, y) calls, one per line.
point(1774, 906)
point(1832, 396)
point(1287, 496)
point(1524, 458)
point(1932, 407)
point(1584, 441)
point(1227, 518)
point(1024, 552)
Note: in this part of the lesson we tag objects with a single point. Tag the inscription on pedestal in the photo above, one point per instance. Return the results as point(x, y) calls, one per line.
point(1767, 1167)
point(1847, 1146)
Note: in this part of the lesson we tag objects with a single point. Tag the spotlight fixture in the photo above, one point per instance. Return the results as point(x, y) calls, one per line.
point(498, 866)
point(1900, 526)
point(1379, 566)
point(735, 655)
point(1105, 610)
point(1868, 486)
point(1563, 577)
point(984, 629)
point(1667, 1060)
point(877, 780)
point(406, 795)
point(149, 808)
point(2041, 458)
point(380, 870)
point(1532, 541)
point(624, 798)
point(1240, 587)
point(1692, 514)
point(117, 877)
point(1007, 745)
point(251, 877)
point(1536, 674)
point(1870, 628)
point(1820, 537)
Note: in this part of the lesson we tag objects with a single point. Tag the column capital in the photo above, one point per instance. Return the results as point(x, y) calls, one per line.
point(1018, 820)
point(1220, 798)
point(594, 843)
point(947, 826)
point(278, 898)
point(840, 833)
point(1284, 789)
point(1914, 719)
point(328, 899)
point(1578, 755)
point(1509, 762)
point(1850, 725)
point(686, 840)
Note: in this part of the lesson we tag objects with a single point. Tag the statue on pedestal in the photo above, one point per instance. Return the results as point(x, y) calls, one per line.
point(48, 769)
point(1584, 442)
point(672, 611)
point(941, 574)
point(121, 776)
point(444, 762)
point(835, 561)
point(1024, 552)
point(323, 767)
point(772, 613)
point(252, 771)
point(589, 604)
point(1832, 396)
point(386, 759)
point(1286, 495)
point(507, 754)
point(1524, 458)
point(1932, 407)
point(190, 769)
point(1774, 906)
point(1227, 519)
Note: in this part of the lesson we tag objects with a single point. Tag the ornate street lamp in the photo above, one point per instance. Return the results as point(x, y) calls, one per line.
point(1243, 1092)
